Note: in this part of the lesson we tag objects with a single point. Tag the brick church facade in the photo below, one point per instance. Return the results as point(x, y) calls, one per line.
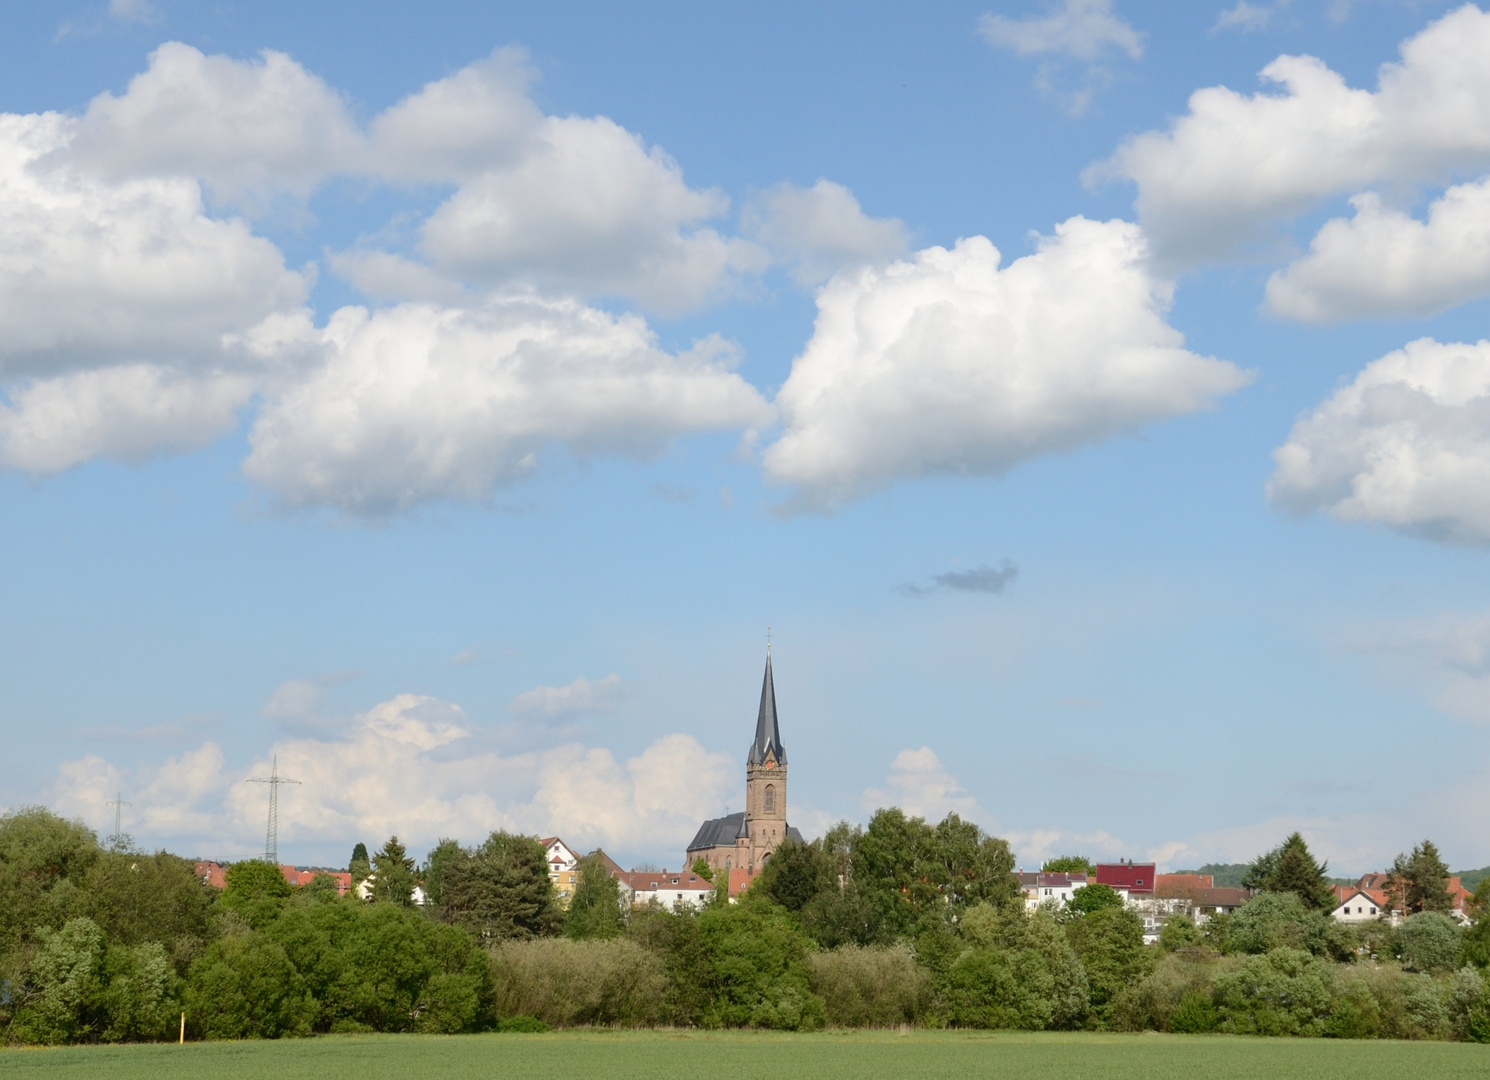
point(744, 840)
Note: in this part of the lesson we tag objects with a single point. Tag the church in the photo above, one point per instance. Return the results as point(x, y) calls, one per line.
point(744, 841)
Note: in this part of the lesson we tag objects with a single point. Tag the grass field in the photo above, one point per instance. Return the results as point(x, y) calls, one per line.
point(752, 1056)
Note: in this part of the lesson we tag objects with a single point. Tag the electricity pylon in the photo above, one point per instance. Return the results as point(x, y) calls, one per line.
point(118, 842)
point(274, 780)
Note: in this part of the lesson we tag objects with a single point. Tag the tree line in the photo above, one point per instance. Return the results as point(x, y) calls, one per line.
point(901, 921)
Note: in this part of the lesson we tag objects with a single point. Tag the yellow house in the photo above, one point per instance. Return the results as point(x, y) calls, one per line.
point(563, 868)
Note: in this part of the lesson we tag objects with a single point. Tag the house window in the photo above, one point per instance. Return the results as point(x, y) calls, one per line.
point(770, 799)
point(1373, 911)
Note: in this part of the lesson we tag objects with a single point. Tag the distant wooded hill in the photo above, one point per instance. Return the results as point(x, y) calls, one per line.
point(1231, 874)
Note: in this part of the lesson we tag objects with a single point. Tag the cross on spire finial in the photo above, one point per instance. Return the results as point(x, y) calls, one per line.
point(768, 641)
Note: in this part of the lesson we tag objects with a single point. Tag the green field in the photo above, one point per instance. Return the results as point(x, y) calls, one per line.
point(749, 1056)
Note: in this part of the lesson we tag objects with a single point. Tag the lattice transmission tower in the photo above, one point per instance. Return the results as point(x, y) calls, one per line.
point(273, 780)
point(118, 841)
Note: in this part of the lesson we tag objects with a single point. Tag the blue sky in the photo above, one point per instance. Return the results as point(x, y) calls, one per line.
point(446, 401)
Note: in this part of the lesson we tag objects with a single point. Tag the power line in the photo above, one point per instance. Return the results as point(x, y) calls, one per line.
point(274, 780)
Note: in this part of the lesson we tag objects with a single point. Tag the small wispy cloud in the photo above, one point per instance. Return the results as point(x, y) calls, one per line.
point(1080, 29)
point(980, 579)
point(1084, 31)
point(1248, 17)
point(479, 654)
point(672, 493)
point(133, 11)
point(171, 731)
point(580, 696)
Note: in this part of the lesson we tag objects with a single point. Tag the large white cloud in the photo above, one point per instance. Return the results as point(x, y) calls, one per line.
point(587, 207)
point(126, 413)
point(820, 231)
point(457, 127)
point(1235, 163)
point(947, 363)
point(400, 768)
point(94, 272)
point(1407, 445)
point(244, 127)
point(1383, 262)
point(418, 402)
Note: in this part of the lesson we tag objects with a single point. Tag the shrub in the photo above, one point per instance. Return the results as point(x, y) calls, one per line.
point(245, 987)
point(1283, 921)
point(1195, 1014)
point(1109, 944)
point(869, 986)
point(753, 964)
point(1282, 992)
point(67, 983)
point(1179, 932)
point(522, 1025)
point(383, 967)
point(256, 891)
point(1154, 1001)
point(1000, 988)
point(567, 983)
point(1430, 941)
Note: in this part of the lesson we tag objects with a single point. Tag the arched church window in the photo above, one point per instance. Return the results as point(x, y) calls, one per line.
point(770, 799)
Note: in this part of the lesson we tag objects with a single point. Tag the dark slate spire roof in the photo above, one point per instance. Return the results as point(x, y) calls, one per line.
point(767, 737)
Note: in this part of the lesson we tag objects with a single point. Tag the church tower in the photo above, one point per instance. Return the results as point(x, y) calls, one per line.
point(742, 841)
point(764, 826)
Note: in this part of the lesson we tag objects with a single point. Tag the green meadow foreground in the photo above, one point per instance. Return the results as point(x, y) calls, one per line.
point(748, 1056)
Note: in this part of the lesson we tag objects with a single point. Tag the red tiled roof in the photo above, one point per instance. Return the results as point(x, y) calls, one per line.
point(1184, 881)
point(1201, 897)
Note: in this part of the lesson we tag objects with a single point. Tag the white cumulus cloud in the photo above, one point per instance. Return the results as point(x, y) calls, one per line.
point(1383, 262)
point(1234, 163)
point(399, 769)
point(580, 696)
point(1407, 445)
point(820, 230)
point(947, 363)
point(588, 207)
point(126, 413)
point(245, 127)
point(478, 118)
point(420, 403)
point(922, 786)
point(97, 272)
point(1083, 29)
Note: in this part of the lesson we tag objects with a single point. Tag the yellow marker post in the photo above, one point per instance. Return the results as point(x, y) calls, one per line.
point(183, 1029)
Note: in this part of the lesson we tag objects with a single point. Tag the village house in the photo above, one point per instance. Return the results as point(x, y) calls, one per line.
point(1370, 898)
point(671, 889)
point(563, 868)
point(1053, 888)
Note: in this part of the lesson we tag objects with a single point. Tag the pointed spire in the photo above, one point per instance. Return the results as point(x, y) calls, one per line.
point(767, 735)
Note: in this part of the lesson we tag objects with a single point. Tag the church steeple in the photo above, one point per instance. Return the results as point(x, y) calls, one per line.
point(767, 736)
